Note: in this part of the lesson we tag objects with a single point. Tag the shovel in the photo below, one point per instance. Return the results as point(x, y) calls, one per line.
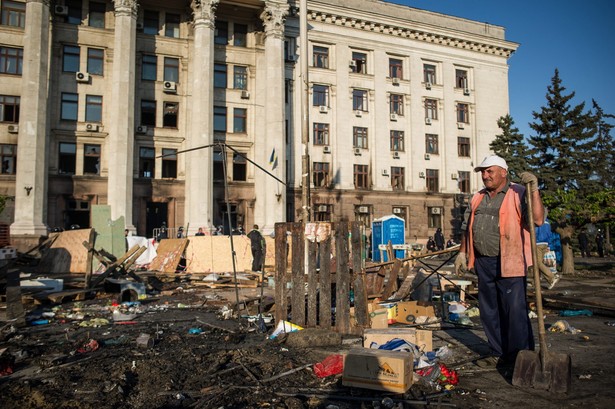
point(540, 369)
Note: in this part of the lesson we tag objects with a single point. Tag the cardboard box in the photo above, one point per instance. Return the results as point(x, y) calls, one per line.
point(379, 318)
point(420, 338)
point(411, 312)
point(378, 369)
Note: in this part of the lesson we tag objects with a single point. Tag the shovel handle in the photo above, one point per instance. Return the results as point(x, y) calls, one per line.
point(542, 336)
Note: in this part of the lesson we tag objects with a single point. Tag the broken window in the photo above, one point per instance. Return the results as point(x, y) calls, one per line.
point(91, 159)
point(146, 162)
point(169, 115)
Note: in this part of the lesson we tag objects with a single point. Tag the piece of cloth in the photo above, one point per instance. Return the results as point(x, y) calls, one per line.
point(503, 309)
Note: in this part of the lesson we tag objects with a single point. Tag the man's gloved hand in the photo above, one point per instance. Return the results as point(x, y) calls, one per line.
point(461, 264)
point(527, 177)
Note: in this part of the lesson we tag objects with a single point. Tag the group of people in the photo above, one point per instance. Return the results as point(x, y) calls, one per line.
point(585, 246)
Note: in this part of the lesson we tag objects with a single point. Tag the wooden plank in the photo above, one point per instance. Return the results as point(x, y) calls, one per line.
point(280, 276)
point(392, 282)
point(312, 291)
point(360, 294)
point(169, 254)
point(66, 254)
point(297, 298)
point(325, 283)
point(404, 289)
point(342, 279)
point(88, 264)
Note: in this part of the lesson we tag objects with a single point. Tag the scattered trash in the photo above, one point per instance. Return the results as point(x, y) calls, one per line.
point(94, 322)
point(588, 376)
point(610, 323)
point(39, 322)
point(195, 331)
point(118, 316)
point(438, 374)
point(283, 327)
point(7, 361)
point(145, 341)
point(331, 365)
point(90, 346)
point(563, 326)
point(574, 313)
point(253, 318)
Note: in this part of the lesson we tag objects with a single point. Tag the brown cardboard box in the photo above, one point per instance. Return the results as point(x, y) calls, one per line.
point(420, 338)
point(379, 318)
point(408, 312)
point(378, 369)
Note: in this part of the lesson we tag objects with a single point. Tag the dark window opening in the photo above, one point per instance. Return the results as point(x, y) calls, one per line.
point(67, 160)
point(146, 162)
point(240, 168)
point(148, 113)
point(169, 163)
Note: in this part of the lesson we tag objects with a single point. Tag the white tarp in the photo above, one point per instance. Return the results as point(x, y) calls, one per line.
point(148, 255)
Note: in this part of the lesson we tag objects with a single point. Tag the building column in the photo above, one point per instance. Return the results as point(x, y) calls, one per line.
point(270, 151)
point(31, 178)
point(122, 113)
point(199, 162)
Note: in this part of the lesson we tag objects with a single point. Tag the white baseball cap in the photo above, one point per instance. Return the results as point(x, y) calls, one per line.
point(489, 161)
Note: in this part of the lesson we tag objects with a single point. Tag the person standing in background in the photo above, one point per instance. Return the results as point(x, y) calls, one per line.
point(257, 245)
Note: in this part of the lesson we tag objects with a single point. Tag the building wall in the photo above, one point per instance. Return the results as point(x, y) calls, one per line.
point(416, 37)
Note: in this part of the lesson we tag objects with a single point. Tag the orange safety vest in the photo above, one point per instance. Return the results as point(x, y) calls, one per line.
point(515, 245)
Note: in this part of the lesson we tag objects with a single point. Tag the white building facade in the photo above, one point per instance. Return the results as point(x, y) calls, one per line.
point(149, 106)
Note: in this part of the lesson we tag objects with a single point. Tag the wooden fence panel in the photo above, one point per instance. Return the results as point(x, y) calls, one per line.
point(281, 243)
point(342, 279)
point(298, 276)
point(325, 283)
point(360, 293)
point(312, 288)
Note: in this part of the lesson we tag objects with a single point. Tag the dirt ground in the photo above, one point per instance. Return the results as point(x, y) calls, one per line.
point(197, 358)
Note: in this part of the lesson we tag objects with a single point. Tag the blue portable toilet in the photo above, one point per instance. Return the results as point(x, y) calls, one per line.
point(388, 228)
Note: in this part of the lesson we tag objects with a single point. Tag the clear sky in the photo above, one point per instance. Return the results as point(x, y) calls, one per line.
point(577, 37)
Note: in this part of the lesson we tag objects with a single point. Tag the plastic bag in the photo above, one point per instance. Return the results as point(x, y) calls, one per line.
point(331, 365)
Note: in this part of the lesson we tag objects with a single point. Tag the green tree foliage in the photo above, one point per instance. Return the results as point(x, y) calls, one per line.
point(559, 147)
point(510, 145)
point(570, 155)
point(603, 149)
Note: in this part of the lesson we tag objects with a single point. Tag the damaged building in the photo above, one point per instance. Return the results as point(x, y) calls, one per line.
point(148, 106)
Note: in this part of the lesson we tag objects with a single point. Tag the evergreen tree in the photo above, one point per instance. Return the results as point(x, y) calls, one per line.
point(511, 146)
point(561, 156)
point(603, 149)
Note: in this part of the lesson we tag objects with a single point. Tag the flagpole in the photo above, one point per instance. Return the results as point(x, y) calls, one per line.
point(305, 117)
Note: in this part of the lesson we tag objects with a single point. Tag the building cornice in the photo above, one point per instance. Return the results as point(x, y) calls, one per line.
point(417, 31)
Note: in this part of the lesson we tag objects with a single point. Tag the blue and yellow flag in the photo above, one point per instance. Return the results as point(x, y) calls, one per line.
point(273, 159)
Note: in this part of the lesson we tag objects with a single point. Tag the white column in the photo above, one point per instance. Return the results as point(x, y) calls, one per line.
point(122, 112)
point(270, 205)
point(31, 178)
point(199, 163)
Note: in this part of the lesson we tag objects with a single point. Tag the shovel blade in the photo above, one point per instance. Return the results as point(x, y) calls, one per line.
point(555, 376)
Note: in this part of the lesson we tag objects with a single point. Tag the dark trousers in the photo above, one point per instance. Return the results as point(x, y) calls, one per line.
point(257, 260)
point(503, 309)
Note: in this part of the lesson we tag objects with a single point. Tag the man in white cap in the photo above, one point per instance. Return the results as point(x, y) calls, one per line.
point(496, 243)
